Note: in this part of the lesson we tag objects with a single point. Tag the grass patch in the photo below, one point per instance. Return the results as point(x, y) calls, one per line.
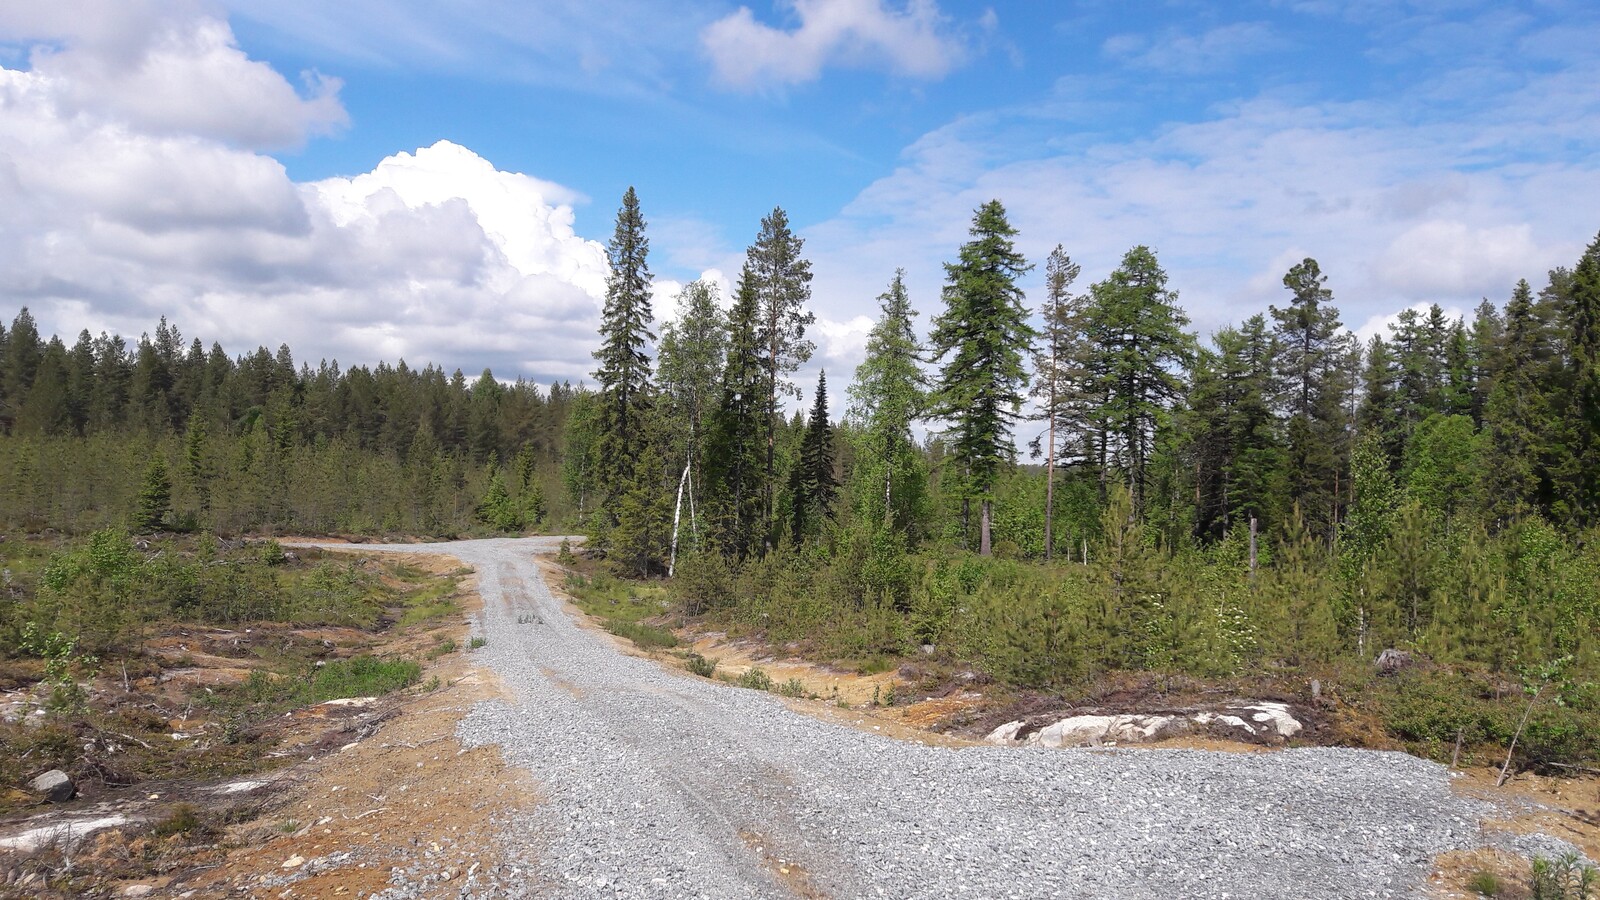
point(432, 601)
point(645, 636)
point(440, 649)
point(623, 608)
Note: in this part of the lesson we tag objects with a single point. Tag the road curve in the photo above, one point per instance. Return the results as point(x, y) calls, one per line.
point(659, 784)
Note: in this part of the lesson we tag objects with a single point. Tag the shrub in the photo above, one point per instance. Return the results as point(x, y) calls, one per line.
point(699, 665)
point(477, 642)
point(756, 678)
point(1564, 878)
point(792, 688)
point(1484, 884)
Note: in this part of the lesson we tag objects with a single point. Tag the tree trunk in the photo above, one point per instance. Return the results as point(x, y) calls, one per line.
point(677, 515)
point(984, 546)
point(1050, 492)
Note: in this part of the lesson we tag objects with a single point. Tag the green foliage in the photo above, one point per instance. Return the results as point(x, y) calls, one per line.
point(1566, 877)
point(981, 339)
point(155, 497)
point(1485, 884)
point(643, 635)
point(756, 679)
point(700, 665)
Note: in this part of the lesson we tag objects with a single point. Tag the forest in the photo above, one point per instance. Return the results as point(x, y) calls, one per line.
point(1053, 494)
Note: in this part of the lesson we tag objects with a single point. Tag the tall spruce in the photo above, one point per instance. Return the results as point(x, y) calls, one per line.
point(1138, 330)
point(813, 484)
point(781, 281)
point(1579, 479)
point(624, 373)
point(888, 395)
point(1062, 373)
point(982, 337)
point(1312, 349)
point(734, 450)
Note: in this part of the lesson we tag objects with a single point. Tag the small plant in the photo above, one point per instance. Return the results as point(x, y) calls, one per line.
point(288, 826)
point(699, 665)
point(476, 642)
point(645, 637)
point(1484, 884)
point(564, 555)
point(1564, 878)
point(272, 553)
point(183, 818)
point(431, 685)
point(756, 678)
point(888, 695)
point(440, 649)
point(59, 653)
point(792, 688)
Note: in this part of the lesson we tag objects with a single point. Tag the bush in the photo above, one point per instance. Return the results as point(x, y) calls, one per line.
point(362, 676)
point(1564, 878)
point(699, 665)
point(756, 678)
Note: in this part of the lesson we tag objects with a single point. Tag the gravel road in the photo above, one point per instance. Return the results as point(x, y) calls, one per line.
point(659, 784)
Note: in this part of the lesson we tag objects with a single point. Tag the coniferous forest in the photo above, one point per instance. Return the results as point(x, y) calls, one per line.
point(1051, 489)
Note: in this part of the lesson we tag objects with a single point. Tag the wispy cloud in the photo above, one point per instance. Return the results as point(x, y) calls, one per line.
point(1211, 51)
point(914, 41)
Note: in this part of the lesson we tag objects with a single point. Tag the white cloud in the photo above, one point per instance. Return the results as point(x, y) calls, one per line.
point(1397, 211)
point(116, 216)
point(912, 41)
point(161, 72)
point(1191, 54)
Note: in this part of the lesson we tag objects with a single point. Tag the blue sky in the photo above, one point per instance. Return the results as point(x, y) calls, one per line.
point(236, 166)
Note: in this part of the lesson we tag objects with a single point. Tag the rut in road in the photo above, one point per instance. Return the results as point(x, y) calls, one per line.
point(659, 784)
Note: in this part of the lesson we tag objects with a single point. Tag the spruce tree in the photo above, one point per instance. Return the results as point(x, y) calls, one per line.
point(1138, 332)
point(735, 451)
point(1517, 416)
point(155, 497)
point(982, 336)
point(1580, 475)
point(813, 485)
point(624, 373)
point(888, 395)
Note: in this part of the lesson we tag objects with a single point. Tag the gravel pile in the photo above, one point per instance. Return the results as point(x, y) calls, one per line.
point(658, 784)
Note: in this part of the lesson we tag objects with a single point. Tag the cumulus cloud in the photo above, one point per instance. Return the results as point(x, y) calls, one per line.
point(117, 215)
point(913, 41)
point(158, 70)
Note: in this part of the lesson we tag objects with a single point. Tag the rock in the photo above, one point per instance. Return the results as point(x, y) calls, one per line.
point(1392, 661)
point(1276, 717)
point(1005, 734)
point(138, 890)
point(54, 785)
point(1078, 731)
point(294, 862)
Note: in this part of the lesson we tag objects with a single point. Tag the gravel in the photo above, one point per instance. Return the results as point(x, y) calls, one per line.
point(660, 784)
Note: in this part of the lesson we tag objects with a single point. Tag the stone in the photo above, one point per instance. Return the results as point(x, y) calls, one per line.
point(1005, 734)
point(138, 890)
point(1391, 661)
point(55, 785)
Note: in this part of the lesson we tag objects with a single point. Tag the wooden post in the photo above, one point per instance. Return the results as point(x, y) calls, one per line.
point(1455, 756)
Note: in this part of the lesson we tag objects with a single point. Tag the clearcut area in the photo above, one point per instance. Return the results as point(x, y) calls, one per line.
point(659, 784)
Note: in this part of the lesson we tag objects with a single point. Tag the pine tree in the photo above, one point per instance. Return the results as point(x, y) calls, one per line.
point(1312, 348)
point(1138, 331)
point(624, 373)
point(1062, 375)
point(780, 278)
point(1239, 463)
point(813, 485)
point(982, 336)
point(888, 395)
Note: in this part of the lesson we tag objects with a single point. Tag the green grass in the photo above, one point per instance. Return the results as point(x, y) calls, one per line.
point(435, 600)
point(646, 637)
point(623, 608)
